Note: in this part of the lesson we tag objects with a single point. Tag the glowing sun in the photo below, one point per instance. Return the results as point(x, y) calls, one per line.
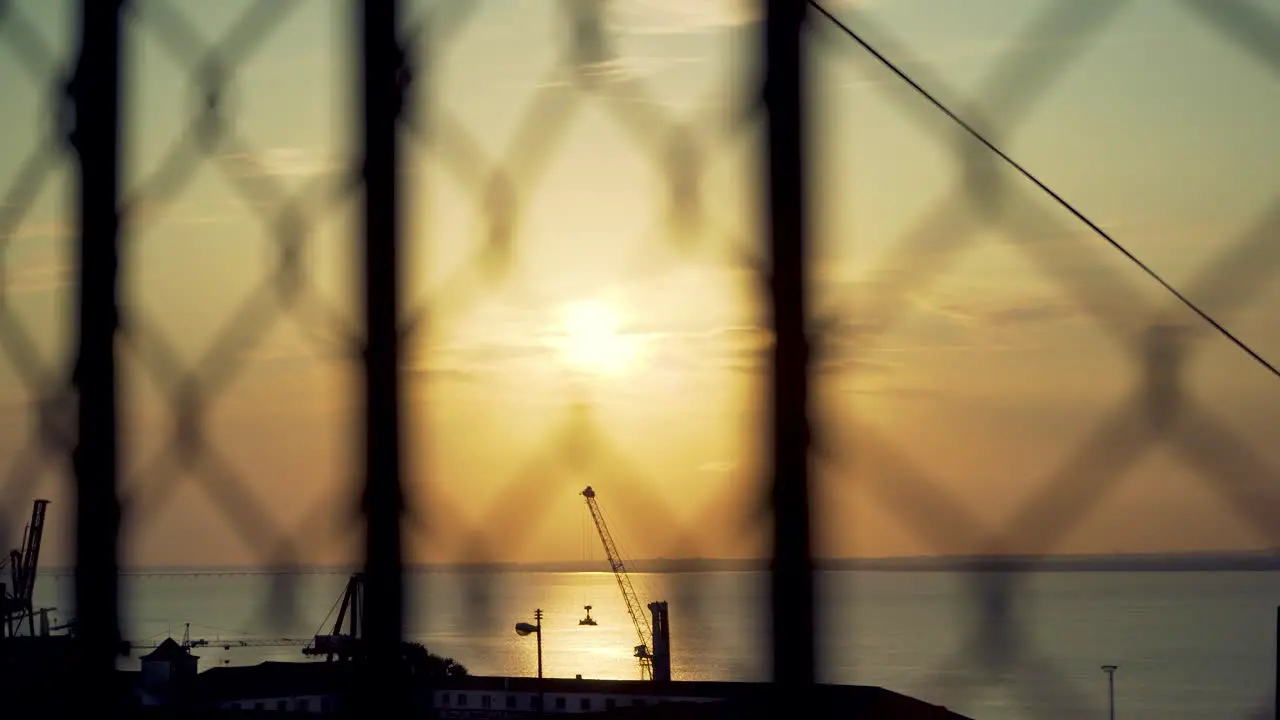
point(591, 339)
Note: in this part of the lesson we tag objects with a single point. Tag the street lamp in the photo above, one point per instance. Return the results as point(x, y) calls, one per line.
point(536, 629)
point(1110, 670)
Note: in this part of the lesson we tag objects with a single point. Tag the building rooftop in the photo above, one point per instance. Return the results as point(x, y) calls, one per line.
point(270, 679)
point(293, 679)
point(169, 651)
point(742, 697)
point(888, 705)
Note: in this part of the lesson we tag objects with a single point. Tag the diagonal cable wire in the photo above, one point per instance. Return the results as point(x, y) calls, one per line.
point(1063, 202)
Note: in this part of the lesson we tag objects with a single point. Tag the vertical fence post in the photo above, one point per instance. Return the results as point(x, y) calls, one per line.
point(95, 139)
point(791, 590)
point(380, 81)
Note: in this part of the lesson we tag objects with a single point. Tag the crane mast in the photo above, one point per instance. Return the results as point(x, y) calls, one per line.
point(31, 548)
point(344, 646)
point(634, 608)
point(16, 604)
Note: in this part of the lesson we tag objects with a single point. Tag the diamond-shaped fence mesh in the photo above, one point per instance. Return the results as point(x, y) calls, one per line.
point(427, 270)
point(33, 257)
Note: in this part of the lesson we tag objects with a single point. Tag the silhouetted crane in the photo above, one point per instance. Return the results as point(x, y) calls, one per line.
point(654, 650)
point(16, 603)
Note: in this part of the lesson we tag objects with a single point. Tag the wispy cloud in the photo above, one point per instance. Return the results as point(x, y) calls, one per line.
point(32, 261)
point(449, 374)
point(731, 348)
point(39, 270)
point(616, 58)
point(695, 16)
point(522, 347)
point(1031, 313)
point(683, 16)
point(617, 70)
point(282, 162)
point(718, 467)
point(626, 68)
point(728, 347)
point(38, 277)
point(898, 392)
point(38, 230)
point(143, 211)
point(470, 361)
point(1005, 313)
point(746, 348)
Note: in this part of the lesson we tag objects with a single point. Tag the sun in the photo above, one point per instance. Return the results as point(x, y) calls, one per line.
point(591, 340)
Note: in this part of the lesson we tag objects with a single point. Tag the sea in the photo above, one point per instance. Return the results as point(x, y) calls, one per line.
point(993, 646)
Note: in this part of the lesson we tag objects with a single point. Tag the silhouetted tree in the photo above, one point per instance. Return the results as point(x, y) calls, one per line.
point(422, 662)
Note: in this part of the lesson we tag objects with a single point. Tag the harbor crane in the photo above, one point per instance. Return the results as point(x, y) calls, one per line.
point(654, 650)
point(16, 602)
point(343, 644)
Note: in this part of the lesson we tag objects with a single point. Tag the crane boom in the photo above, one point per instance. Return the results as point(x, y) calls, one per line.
point(228, 644)
point(24, 563)
point(31, 549)
point(634, 608)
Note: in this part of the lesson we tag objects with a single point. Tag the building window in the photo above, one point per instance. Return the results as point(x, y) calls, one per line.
point(444, 699)
point(260, 706)
point(282, 704)
point(462, 700)
point(560, 703)
point(610, 703)
point(486, 702)
point(304, 704)
point(584, 704)
point(511, 702)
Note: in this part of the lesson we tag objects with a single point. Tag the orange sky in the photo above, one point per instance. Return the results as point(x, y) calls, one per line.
point(622, 348)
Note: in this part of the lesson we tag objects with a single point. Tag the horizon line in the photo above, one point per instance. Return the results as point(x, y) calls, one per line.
point(668, 565)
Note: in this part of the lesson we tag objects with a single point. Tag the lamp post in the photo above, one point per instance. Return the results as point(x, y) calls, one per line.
point(524, 629)
point(1110, 670)
point(536, 629)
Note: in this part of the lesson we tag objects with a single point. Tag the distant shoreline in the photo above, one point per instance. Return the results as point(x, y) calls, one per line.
point(1260, 561)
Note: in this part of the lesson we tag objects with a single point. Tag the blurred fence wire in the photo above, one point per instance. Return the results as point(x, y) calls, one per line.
point(77, 404)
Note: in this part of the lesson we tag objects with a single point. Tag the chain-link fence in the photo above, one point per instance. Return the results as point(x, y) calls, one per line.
point(428, 181)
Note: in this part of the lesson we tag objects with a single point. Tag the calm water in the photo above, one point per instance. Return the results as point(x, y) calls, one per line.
point(1189, 645)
